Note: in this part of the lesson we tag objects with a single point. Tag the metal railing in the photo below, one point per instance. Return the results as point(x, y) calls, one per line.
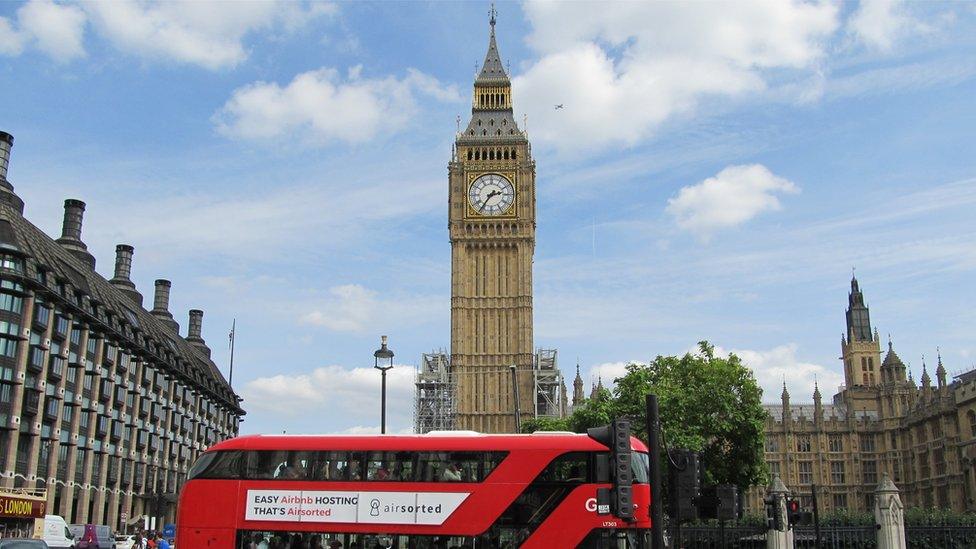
point(739, 536)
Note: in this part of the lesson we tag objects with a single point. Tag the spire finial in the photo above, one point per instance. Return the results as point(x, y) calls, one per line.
point(492, 15)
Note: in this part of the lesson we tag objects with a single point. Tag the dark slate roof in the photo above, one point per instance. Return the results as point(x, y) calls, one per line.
point(494, 125)
point(149, 337)
point(798, 411)
point(492, 70)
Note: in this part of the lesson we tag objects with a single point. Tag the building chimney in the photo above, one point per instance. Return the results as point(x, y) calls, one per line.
point(195, 330)
point(74, 213)
point(7, 194)
point(123, 269)
point(161, 304)
point(6, 143)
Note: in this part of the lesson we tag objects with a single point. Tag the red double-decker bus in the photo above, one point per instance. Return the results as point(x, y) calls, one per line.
point(439, 490)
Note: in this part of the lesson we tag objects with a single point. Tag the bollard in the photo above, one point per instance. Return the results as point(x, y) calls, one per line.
point(889, 514)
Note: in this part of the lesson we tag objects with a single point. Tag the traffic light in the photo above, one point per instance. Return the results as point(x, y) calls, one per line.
point(617, 437)
point(728, 501)
point(685, 475)
point(793, 512)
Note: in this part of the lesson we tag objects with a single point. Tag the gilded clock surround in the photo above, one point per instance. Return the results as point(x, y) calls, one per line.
point(512, 212)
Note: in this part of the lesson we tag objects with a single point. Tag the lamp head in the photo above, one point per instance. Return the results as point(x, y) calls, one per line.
point(383, 351)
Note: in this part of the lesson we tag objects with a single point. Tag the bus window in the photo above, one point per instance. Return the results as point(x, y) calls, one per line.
point(266, 464)
point(297, 466)
point(431, 466)
point(572, 468)
point(378, 466)
point(222, 465)
point(641, 467)
point(331, 466)
point(402, 466)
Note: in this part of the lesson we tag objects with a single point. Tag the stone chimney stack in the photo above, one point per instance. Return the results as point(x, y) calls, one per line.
point(74, 213)
point(161, 304)
point(123, 270)
point(7, 194)
point(6, 143)
point(195, 331)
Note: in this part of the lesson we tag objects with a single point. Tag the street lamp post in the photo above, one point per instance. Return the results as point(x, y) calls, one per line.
point(383, 353)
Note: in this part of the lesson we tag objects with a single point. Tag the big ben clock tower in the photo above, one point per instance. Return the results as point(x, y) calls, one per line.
point(492, 228)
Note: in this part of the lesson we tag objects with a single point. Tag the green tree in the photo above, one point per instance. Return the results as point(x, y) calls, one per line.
point(709, 404)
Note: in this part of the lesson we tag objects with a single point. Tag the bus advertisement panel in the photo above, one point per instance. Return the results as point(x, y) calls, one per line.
point(413, 491)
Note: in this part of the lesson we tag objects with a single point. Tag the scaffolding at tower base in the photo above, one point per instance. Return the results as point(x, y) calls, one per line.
point(435, 399)
point(549, 386)
point(435, 405)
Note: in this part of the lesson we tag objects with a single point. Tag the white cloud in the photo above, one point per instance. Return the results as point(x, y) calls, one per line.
point(11, 40)
point(623, 68)
point(879, 23)
point(606, 372)
point(349, 310)
point(55, 29)
point(340, 393)
point(321, 106)
point(209, 34)
point(771, 367)
point(734, 196)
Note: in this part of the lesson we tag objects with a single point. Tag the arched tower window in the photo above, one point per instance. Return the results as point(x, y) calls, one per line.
point(971, 415)
point(469, 154)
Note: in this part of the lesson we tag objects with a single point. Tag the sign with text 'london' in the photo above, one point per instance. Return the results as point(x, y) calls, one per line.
point(22, 507)
point(355, 507)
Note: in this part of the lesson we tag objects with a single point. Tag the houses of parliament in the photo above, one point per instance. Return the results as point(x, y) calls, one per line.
point(881, 421)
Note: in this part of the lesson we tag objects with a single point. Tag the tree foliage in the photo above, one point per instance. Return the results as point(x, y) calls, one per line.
point(709, 404)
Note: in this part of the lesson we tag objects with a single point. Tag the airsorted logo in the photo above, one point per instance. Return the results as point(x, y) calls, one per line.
point(353, 507)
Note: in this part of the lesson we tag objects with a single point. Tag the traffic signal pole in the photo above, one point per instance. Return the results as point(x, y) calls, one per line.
point(656, 510)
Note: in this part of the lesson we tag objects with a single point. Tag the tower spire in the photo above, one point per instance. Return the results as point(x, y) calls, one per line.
point(492, 70)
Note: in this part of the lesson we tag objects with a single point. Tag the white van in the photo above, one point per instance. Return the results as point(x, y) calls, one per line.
point(56, 532)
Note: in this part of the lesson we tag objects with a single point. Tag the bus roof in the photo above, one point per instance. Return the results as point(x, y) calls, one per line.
point(463, 440)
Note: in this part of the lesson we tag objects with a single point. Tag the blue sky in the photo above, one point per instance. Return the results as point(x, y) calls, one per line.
point(716, 172)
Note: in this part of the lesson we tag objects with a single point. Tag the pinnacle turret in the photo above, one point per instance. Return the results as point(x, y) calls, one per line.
point(926, 380)
point(578, 394)
point(940, 372)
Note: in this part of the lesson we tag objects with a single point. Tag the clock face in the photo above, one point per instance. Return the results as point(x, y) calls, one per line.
point(491, 194)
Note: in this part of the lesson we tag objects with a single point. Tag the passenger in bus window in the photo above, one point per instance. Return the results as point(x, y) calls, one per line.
point(451, 473)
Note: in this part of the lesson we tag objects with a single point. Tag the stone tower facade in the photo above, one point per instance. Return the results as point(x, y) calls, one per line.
point(491, 221)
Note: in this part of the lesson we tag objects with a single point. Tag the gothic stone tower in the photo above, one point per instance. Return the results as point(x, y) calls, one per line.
point(861, 353)
point(492, 229)
point(860, 348)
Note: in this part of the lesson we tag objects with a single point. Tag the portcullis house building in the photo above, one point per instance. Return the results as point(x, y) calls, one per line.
point(104, 406)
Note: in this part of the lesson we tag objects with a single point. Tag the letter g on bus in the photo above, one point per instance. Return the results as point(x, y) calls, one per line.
point(590, 505)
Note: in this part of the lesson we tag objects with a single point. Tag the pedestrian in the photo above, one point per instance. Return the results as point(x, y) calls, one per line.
point(161, 542)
